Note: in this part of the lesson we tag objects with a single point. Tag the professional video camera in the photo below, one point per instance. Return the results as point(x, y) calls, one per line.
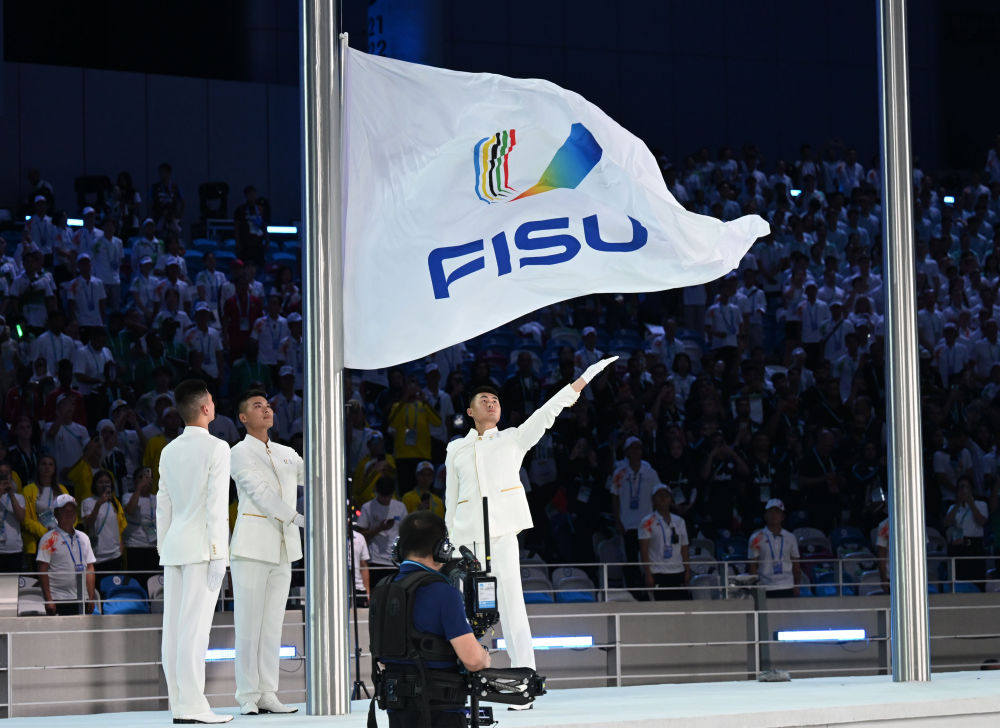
point(515, 685)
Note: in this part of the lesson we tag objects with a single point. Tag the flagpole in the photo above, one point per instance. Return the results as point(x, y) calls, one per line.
point(907, 548)
point(326, 614)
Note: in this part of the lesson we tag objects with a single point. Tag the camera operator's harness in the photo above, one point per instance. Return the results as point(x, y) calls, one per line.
point(406, 682)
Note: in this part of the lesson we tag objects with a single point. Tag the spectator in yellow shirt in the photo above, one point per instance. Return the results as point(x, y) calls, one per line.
point(411, 418)
point(39, 505)
point(372, 467)
point(421, 498)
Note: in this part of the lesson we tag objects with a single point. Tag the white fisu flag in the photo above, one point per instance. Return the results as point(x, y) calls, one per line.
point(472, 199)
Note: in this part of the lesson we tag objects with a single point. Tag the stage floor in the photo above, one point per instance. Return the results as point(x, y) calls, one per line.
point(951, 699)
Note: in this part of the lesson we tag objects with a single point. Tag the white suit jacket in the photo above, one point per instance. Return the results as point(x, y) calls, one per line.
point(267, 479)
point(192, 505)
point(487, 465)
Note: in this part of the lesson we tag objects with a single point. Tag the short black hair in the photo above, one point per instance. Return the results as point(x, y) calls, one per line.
point(482, 389)
point(419, 533)
point(247, 396)
point(187, 398)
point(385, 485)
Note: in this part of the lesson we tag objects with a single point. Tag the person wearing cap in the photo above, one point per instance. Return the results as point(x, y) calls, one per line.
point(588, 353)
point(724, 323)
point(173, 280)
point(202, 337)
point(486, 463)
point(286, 405)
point(34, 291)
point(192, 536)
point(371, 468)
point(815, 317)
point(410, 420)
point(265, 542)
point(421, 498)
point(85, 295)
point(147, 245)
point(66, 563)
point(773, 554)
point(663, 548)
point(64, 438)
point(631, 487)
point(291, 353)
point(142, 289)
point(88, 233)
point(269, 331)
point(209, 282)
point(43, 232)
point(107, 253)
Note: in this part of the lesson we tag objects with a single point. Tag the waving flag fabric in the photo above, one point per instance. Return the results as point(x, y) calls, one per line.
point(473, 199)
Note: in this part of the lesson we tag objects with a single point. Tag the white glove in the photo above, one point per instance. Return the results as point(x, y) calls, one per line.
point(594, 369)
point(216, 570)
point(299, 520)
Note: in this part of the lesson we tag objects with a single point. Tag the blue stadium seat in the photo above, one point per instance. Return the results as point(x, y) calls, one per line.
point(204, 244)
point(123, 596)
point(280, 258)
point(229, 244)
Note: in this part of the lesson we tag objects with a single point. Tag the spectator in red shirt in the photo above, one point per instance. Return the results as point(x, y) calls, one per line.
point(238, 314)
point(65, 377)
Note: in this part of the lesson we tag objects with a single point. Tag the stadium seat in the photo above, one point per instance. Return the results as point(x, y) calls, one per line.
point(537, 590)
point(30, 600)
point(204, 244)
point(281, 258)
point(705, 587)
point(846, 540)
point(871, 584)
point(703, 563)
point(611, 551)
point(155, 586)
point(936, 543)
point(229, 244)
point(123, 595)
point(572, 585)
point(812, 540)
point(701, 545)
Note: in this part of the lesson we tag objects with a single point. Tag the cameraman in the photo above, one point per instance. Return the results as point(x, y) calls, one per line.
point(425, 691)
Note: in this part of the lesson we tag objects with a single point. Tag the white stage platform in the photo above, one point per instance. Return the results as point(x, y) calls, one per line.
point(965, 699)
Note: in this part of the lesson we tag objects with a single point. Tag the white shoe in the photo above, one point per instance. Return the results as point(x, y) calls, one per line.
point(271, 704)
point(526, 706)
point(206, 717)
point(249, 708)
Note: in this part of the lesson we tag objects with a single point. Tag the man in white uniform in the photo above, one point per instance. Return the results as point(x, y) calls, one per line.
point(192, 519)
point(265, 543)
point(485, 463)
point(773, 553)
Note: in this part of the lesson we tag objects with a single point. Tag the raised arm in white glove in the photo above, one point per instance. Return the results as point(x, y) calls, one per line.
point(216, 570)
point(592, 371)
point(299, 520)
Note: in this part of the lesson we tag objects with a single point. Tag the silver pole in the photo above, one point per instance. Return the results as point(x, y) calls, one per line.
point(907, 550)
point(327, 646)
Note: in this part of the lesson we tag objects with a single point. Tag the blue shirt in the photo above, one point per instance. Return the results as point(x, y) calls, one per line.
point(438, 608)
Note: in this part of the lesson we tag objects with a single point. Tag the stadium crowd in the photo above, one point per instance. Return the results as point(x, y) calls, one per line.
point(767, 385)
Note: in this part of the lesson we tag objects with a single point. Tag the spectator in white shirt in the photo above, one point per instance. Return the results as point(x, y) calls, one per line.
point(663, 548)
point(291, 352)
point(43, 232)
point(209, 283)
point(815, 317)
point(143, 290)
point(140, 533)
point(379, 524)
point(287, 405)
point(86, 296)
point(965, 520)
point(64, 250)
point(439, 401)
point(35, 291)
point(752, 302)
point(104, 521)
point(834, 342)
point(88, 233)
point(89, 366)
point(724, 322)
point(148, 245)
point(171, 309)
point(205, 339)
point(107, 253)
point(53, 345)
point(631, 486)
point(173, 281)
point(950, 355)
point(269, 331)
point(773, 554)
point(64, 438)
point(66, 562)
point(11, 518)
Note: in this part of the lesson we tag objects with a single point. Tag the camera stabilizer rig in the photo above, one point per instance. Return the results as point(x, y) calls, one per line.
point(515, 685)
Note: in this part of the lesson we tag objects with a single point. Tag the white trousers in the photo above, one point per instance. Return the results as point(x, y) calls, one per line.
point(506, 567)
point(188, 605)
point(260, 593)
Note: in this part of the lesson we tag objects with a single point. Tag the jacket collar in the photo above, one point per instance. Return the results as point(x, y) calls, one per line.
point(487, 435)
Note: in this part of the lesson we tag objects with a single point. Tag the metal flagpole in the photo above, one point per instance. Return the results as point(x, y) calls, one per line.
point(907, 548)
point(327, 653)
